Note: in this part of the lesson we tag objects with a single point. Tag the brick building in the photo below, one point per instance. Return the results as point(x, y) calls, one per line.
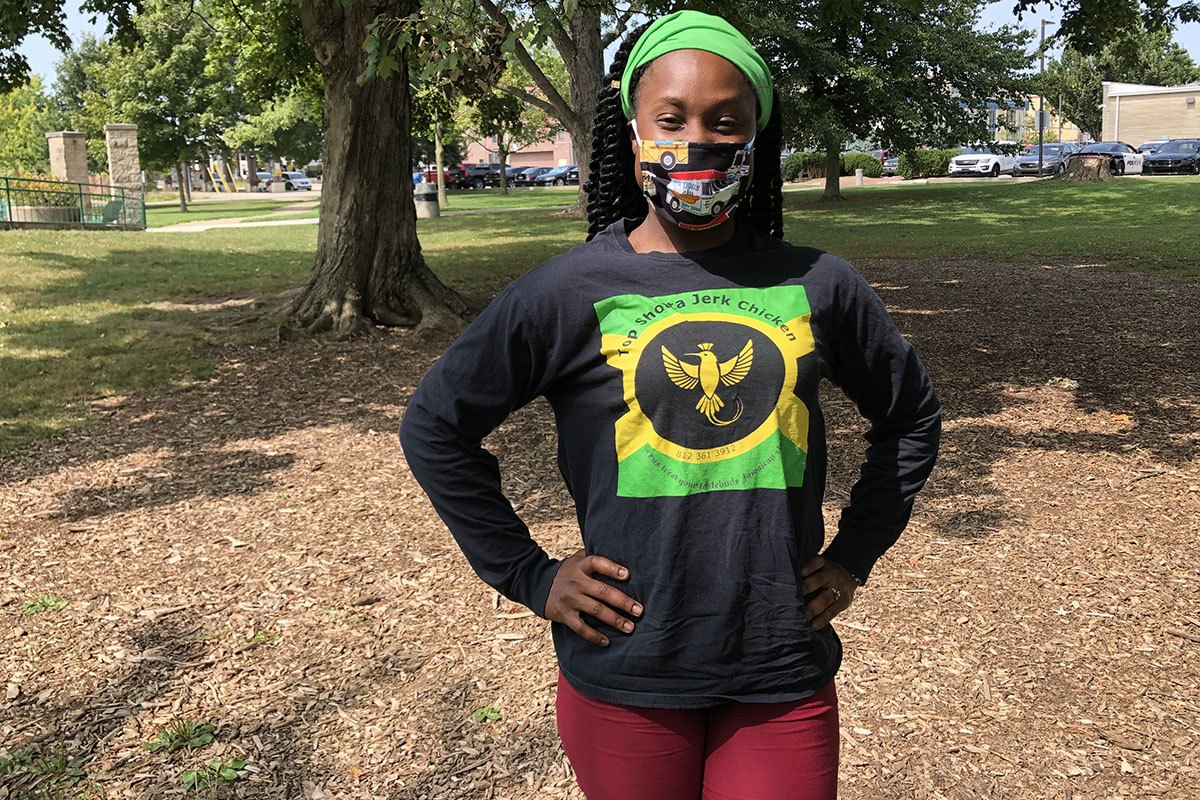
point(554, 152)
point(1137, 113)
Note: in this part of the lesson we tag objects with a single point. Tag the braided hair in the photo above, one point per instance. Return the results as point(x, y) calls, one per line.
point(612, 190)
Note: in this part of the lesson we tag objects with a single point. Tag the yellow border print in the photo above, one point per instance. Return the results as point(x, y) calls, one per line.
point(635, 430)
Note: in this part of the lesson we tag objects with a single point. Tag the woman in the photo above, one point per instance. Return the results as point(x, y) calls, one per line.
point(681, 348)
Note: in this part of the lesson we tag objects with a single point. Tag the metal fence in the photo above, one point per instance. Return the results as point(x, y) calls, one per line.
point(37, 203)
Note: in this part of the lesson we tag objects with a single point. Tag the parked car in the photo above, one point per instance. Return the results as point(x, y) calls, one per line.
point(263, 181)
point(293, 181)
point(560, 176)
point(890, 165)
point(511, 173)
point(475, 176)
point(431, 175)
point(1177, 155)
point(1149, 148)
point(1054, 159)
point(984, 159)
point(1122, 158)
point(526, 176)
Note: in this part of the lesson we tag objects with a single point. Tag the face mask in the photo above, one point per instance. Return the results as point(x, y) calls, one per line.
point(695, 185)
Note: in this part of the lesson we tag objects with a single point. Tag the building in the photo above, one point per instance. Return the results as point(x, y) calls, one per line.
point(553, 152)
point(1137, 113)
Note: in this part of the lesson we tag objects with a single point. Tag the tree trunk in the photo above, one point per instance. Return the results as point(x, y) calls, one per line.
point(368, 269)
point(251, 170)
point(183, 178)
point(502, 155)
point(439, 157)
point(1087, 168)
point(833, 171)
point(585, 71)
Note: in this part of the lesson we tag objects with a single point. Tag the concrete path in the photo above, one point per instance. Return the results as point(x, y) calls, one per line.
point(235, 222)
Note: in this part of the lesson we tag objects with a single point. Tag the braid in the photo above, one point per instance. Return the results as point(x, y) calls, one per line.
point(612, 191)
point(763, 206)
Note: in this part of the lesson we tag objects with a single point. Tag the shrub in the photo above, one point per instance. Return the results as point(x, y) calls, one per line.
point(925, 163)
point(803, 164)
point(871, 166)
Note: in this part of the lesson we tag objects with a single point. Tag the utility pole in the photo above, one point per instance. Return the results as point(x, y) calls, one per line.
point(1041, 92)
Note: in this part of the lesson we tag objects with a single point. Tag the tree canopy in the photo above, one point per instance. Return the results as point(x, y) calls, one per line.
point(1140, 56)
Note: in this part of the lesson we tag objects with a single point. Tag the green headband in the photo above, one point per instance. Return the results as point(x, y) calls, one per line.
point(695, 30)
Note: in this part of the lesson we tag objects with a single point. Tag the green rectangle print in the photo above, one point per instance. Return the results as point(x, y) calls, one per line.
point(709, 380)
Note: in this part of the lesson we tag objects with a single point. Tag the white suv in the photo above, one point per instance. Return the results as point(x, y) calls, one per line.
point(294, 180)
point(983, 160)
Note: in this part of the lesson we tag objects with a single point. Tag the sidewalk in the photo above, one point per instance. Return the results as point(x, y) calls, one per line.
point(235, 222)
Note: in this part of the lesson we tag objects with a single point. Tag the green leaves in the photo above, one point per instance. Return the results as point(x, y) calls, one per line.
point(46, 602)
point(488, 714)
point(180, 734)
point(216, 773)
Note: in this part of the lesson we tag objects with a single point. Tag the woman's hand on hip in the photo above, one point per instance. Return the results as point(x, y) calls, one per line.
point(835, 587)
point(576, 592)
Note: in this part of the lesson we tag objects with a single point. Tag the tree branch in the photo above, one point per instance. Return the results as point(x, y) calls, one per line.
point(561, 108)
point(617, 30)
point(562, 40)
point(531, 99)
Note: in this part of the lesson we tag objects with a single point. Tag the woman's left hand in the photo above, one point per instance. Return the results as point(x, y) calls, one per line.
point(835, 586)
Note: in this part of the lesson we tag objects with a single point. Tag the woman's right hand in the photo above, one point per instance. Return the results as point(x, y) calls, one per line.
point(576, 592)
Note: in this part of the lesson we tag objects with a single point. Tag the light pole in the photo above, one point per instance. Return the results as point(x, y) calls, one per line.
point(1041, 93)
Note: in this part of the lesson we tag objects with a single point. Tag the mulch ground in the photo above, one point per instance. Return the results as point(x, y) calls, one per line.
point(251, 552)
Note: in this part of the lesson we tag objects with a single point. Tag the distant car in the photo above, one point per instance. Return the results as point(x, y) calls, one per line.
point(526, 176)
point(475, 176)
point(561, 176)
point(1122, 158)
point(987, 159)
point(1177, 155)
point(1054, 159)
point(511, 173)
point(263, 181)
point(1149, 148)
point(294, 181)
point(431, 175)
point(890, 165)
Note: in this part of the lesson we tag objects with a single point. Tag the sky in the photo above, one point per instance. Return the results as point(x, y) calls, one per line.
point(42, 55)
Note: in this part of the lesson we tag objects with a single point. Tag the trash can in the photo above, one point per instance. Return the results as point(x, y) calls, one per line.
point(425, 196)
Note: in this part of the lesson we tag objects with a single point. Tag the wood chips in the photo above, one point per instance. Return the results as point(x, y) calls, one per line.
point(253, 553)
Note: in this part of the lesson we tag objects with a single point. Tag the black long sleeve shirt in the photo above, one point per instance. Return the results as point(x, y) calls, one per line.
point(684, 389)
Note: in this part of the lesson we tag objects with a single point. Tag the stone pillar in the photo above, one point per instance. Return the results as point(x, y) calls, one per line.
point(125, 168)
point(68, 156)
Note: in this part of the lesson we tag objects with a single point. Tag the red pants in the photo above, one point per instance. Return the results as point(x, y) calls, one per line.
point(734, 751)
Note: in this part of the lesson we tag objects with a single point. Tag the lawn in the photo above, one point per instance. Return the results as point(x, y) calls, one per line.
point(160, 216)
point(84, 315)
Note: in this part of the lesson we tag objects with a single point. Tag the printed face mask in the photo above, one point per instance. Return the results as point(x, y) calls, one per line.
point(695, 185)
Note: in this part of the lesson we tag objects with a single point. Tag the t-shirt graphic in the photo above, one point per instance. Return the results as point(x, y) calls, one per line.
point(709, 379)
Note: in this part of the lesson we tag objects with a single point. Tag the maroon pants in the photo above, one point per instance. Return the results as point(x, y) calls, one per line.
point(734, 751)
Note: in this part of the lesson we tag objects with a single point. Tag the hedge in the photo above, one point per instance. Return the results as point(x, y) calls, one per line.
point(925, 163)
point(812, 165)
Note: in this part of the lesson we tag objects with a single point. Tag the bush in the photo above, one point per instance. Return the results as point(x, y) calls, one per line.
point(925, 163)
point(803, 164)
point(812, 165)
point(871, 166)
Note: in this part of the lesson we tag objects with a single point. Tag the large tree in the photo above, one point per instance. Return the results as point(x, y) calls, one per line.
point(26, 114)
point(578, 32)
point(884, 70)
point(1137, 57)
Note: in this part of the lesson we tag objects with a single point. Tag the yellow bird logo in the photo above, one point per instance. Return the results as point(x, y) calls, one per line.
point(710, 375)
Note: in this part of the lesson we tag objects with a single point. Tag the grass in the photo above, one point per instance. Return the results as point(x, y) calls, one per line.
point(87, 314)
point(160, 216)
point(1127, 223)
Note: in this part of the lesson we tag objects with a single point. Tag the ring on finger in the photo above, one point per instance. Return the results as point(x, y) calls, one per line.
point(837, 593)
